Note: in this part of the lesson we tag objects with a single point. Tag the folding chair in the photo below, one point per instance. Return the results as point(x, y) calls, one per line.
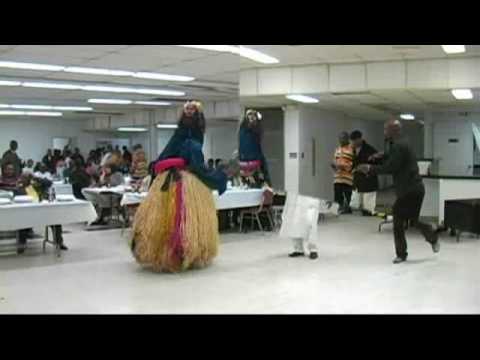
point(265, 208)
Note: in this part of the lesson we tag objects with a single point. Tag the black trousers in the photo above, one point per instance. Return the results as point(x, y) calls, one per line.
point(407, 209)
point(343, 195)
point(22, 235)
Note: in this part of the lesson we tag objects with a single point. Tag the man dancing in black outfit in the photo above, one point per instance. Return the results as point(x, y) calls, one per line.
point(401, 162)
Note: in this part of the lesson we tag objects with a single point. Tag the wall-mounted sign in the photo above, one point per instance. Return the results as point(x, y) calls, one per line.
point(453, 141)
point(293, 155)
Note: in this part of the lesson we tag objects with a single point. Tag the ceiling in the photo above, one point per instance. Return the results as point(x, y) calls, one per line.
point(371, 105)
point(335, 54)
point(216, 73)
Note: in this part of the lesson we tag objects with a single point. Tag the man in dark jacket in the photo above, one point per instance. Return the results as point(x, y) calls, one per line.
point(11, 157)
point(401, 162)
point(365, 185)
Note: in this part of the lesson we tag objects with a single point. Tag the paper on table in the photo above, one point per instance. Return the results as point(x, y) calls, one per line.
point(4, 201)
point(23, 199)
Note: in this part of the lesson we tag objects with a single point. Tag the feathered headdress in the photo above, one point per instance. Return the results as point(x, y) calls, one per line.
point(254, 112)
point(198, 105)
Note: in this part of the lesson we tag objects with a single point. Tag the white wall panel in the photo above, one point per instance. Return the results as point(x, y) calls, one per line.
point(310, 79)
point(431, 74)
point(274, 81)
point(386, 75)
point(248, 83)
point(344, 78)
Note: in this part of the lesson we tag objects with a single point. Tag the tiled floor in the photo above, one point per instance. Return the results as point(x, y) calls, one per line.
point(252, 275)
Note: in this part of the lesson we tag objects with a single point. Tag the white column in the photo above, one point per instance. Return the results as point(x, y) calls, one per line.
point(292, 149)
point(152, 124)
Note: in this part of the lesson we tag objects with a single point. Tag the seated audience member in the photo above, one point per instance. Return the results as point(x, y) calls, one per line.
point(116, 159)
point(92, 156)
point(127, 156)
point(217, 163)
point(43, 173)
point(137, 147)
point(37, 167)
point(57, 156)
point(80, 179)
point(78, 156)
point(25, 186)
point(8, 180)
point(60, 170)
point(211, 164)
point(48, 160)
point(106, 156)
point(145, 184)
point(139, 165)
point(67, 156)
point(29, 167)
point(110, 177)
point(92, 168)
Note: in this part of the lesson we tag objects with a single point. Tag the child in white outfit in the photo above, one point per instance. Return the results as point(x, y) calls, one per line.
point(300, 223)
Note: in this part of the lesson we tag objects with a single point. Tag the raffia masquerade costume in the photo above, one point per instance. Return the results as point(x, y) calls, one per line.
point(176, 227)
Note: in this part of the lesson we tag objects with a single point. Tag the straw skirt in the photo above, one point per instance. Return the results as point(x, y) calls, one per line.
point(176, 227)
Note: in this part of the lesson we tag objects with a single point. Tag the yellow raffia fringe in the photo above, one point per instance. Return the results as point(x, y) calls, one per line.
point(155, 220)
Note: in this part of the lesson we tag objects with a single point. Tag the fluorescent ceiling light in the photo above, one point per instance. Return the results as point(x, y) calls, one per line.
point(30, 66)
point(46, 107)
point(97, 88)
point(127, 129)
point(160, 92)
point(454, 49)
point(221, 48)
point(10, 83)
point(407, 117)
point(303, 99)
point(32, 107)
point(94, 71)
point(43, 113)
point(164, 126)
point(52, 86)
point(243, 51)
point(153, 103)
point(257, 56)
point(30, 113)
point(100, 88)
point(462, 94)
point(129, 90)
point(72, 108)
point(7, 112)
point(166, 77)
point(110, 101)
point(97, 71)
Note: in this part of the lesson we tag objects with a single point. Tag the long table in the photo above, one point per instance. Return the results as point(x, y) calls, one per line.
point(25, 216)
point(232, 199)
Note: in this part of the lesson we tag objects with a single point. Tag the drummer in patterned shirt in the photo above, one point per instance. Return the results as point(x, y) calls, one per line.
point(343, 167)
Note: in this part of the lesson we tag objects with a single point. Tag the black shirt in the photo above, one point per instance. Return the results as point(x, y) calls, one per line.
point(401, 162)
point(364, 183)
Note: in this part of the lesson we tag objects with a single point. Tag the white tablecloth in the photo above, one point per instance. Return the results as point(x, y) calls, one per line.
point(23, 216)
point(238, 199)
point(120, 190)
point(62, 189)
point(232, 199)
point(129, 199)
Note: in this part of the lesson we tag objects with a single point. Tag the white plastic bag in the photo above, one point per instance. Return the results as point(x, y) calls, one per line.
point(355, 202)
